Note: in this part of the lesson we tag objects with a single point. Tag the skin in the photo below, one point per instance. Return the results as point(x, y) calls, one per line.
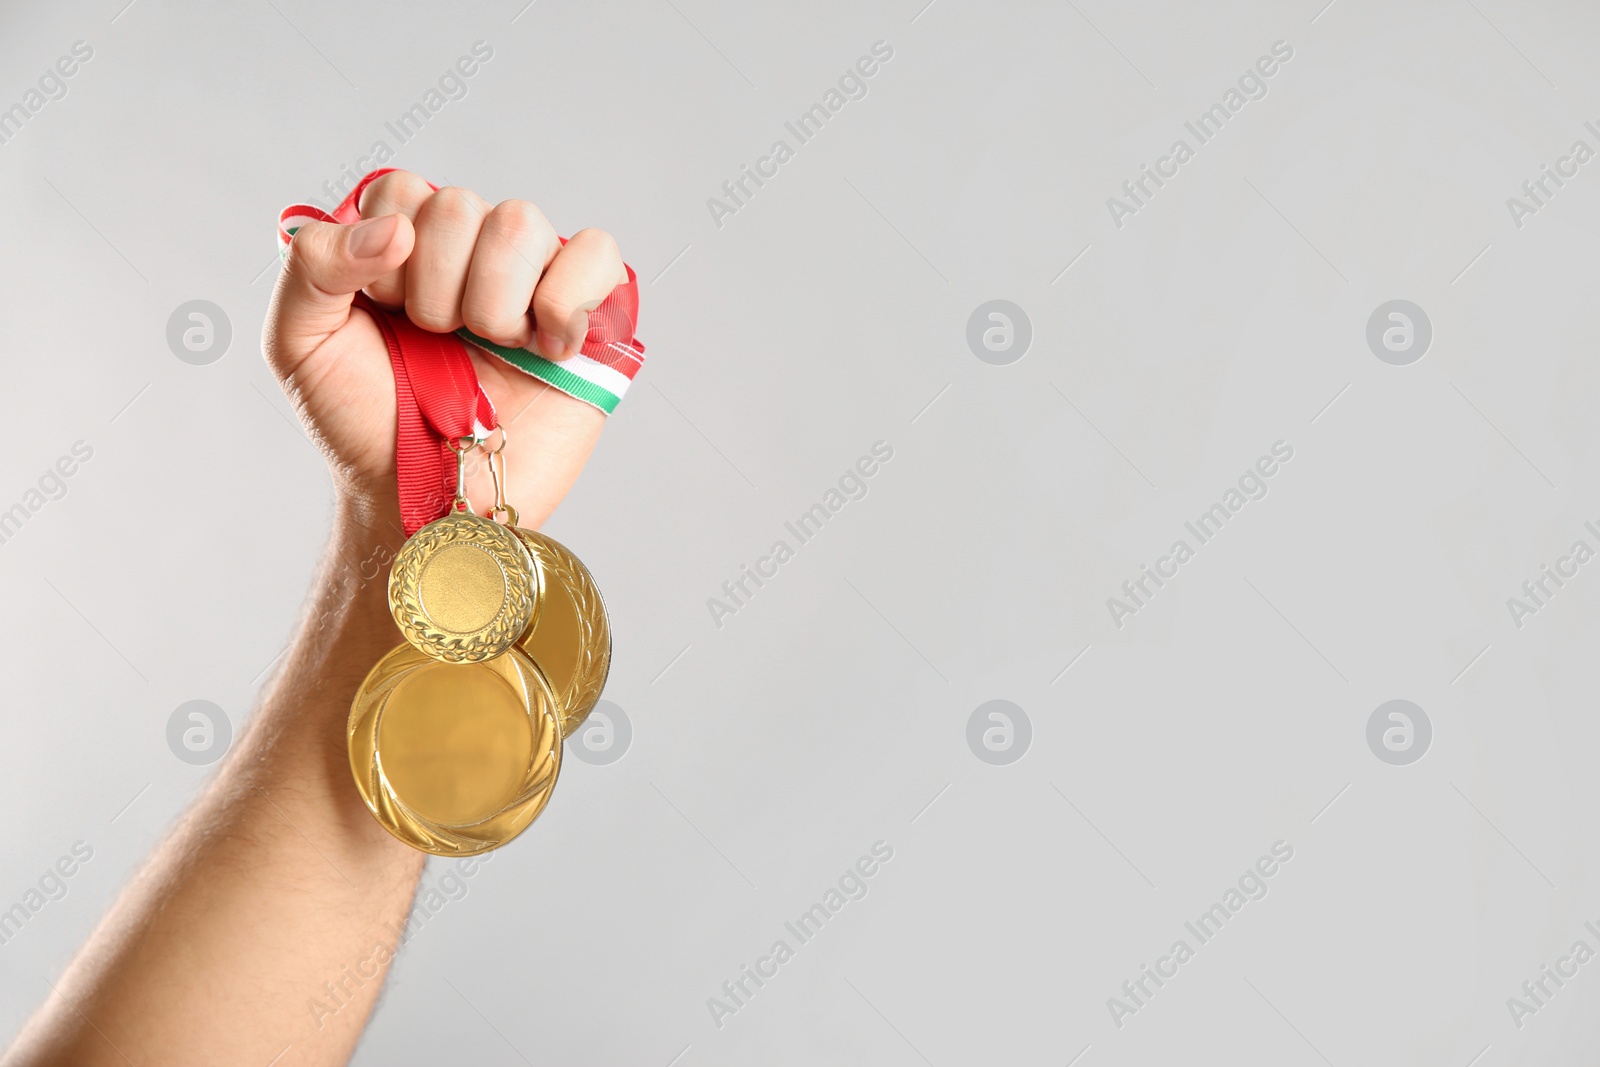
point(277, 880)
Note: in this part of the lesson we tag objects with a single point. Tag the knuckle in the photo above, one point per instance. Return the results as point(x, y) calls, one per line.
point(309, 248)
point(295, 259)
point(598, 242)
point(555, 311)
point(394, 190)
point(488, 319)
point(520, 222)
point(431, 312)
point(454, 207)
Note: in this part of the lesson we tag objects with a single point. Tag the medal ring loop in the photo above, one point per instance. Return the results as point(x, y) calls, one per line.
point(505, 436)
point(462, 447)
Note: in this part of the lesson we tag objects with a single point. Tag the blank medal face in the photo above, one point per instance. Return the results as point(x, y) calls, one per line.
point(454, 758)
point(462, 588)
point(454, 742)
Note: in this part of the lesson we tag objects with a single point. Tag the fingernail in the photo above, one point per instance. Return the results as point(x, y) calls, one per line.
point(550, 346)
point(370, 237)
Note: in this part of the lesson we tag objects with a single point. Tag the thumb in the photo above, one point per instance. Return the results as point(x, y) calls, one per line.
point(326, 266)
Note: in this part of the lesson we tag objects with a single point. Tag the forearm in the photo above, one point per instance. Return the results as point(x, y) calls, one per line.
point(261, 930)
point(277, 880)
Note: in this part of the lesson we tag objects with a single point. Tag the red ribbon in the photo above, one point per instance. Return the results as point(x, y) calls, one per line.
point(438, 401)
point(438, 398)
point(437, 395)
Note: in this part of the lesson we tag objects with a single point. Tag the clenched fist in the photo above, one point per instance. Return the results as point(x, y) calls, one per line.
point(449, 258)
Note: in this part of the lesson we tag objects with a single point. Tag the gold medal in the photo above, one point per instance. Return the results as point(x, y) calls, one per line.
point(455, 738)
point(570, 637)
point(463, 588)
point(454, 758)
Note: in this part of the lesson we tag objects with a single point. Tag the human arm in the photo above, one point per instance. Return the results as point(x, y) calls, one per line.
point(278, 880)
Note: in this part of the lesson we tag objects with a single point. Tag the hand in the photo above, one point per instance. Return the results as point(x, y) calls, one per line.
point(450, 259)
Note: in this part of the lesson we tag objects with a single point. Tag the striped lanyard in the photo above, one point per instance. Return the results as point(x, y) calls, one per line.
point(439, 400)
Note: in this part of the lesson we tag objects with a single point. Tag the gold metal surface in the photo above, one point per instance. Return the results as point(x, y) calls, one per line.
point(463, 588)
point(454, 758)
point(570, 639)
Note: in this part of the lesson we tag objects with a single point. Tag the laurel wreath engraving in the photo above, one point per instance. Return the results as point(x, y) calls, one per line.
point(405, 601)
point(578, 698)
point(408, 825)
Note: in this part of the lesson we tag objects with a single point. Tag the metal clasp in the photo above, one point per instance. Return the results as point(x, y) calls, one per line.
point(463, 447)
point(501, 511)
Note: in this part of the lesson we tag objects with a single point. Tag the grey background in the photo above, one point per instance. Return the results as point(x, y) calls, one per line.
point(827, 314)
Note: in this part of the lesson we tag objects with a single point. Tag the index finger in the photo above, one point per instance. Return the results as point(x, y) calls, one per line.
point(396, 193)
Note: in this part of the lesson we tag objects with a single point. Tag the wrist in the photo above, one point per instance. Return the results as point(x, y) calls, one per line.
point(349, 603)
point(346, 628)
point(366, 513)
